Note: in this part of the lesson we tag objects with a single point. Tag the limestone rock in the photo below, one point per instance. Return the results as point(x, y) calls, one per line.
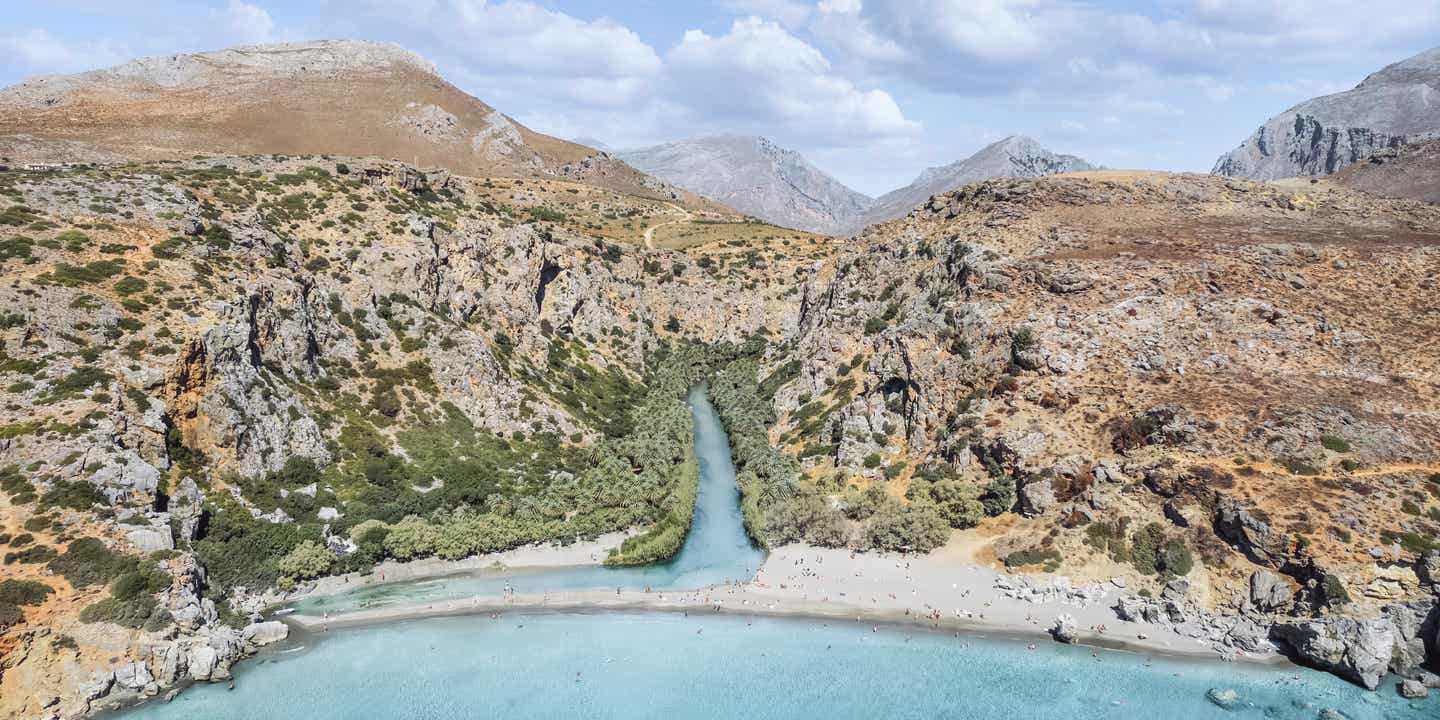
point(1225, 698)
point(1268, 591)
point(1064, 630)
point(1322, 135)
point(1357, 650)
point(265, 633)
point(1414, 689)
point(1243, 529)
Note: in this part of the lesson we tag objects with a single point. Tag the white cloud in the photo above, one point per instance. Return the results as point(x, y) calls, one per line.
point(760, 73)
point(246, 23)
point(525, 37)
point(990, 46)
point(41, 52)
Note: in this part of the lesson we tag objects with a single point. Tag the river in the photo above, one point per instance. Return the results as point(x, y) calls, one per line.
point(715, 551)
point(671, 666)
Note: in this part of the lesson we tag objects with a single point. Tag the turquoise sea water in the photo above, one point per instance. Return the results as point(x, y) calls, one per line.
point(668, 666)
point(716, 550)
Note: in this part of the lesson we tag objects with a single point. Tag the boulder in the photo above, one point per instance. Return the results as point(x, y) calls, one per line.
point(1065, 631)
point(149, 538)
point(1037, 496)
point(133, 675)
point(1268, 591)
point(1248, 533)
point(265, 633)
point(1413, 689)
point(1225, 698)
point(1357, 650)
point(202, 662)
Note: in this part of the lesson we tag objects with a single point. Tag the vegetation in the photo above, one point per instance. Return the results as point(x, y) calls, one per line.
point(15, 594)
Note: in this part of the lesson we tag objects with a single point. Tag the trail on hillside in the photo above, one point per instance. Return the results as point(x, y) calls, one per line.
point(650, 231)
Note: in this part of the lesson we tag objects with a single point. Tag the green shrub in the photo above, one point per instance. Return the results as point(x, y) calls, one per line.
point(1049, 558)
point(24, 592)
point(1335, 443)
point(307, 560)
point(88, 562)
point(129, 285)
point(133, 613)
point(88, 274)
point(10, 615)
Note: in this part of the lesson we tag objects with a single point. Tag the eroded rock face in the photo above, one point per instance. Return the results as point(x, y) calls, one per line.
point(1249, 534)
point(1362, 650)
point(1323, 135)
point(1268, 591)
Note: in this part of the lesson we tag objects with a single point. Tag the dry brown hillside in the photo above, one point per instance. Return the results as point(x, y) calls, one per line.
point(339, 97)
point(1412, 172)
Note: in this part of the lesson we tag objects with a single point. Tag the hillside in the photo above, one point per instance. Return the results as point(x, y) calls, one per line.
point(341, 97)
point(755, 177)
point(206, 358)
point(1409, 171)
point(195, 372)
point(1399, 103)
point(1015, 156)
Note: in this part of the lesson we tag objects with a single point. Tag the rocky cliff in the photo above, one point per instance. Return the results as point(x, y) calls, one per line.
point(204, 359)
point(1154, 372)
point(756, 177)
point(1015, 156)
point(1398, 104)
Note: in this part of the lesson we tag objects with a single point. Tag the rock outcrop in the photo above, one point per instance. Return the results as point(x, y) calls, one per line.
point(1363, 650)
point(1397, 105)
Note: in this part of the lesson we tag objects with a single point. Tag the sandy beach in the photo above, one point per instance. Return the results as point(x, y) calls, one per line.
point(933, 591)
point(588, 552)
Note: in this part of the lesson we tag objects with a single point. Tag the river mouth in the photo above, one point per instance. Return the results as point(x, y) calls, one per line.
point(716, 551)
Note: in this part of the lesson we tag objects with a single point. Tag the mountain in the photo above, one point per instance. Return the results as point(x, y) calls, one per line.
point(1317, 137)
point(756, 177)
point(1409, 171)
point(342, 97)
point(1016, 156)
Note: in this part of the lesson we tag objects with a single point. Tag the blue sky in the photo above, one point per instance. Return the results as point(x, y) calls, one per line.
point(872, 91)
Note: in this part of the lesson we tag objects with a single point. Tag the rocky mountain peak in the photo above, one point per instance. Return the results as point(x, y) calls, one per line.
point(755, 176)
point(1016, 156)
point(1395, 105)
point(294, 60)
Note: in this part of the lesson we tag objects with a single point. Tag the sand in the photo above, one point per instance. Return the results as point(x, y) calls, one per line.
point(937, 591)
point(590, 552)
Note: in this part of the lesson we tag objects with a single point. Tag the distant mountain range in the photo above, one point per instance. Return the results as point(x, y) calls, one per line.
point(757, 177)
point(1398, 104)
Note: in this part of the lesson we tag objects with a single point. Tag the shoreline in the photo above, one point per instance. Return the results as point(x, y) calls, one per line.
point(533, 557)
point(602, 602)
point(938, 591)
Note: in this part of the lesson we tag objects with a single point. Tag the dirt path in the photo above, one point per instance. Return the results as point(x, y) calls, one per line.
point(650, 231)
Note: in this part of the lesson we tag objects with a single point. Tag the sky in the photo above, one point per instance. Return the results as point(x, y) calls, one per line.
point(871, 91)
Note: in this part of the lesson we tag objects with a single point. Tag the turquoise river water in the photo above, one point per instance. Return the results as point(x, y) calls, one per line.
point(669, 666)
point(716, 550)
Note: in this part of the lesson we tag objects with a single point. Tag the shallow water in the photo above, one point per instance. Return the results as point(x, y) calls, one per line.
point(658, 665)
point(716, 551)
